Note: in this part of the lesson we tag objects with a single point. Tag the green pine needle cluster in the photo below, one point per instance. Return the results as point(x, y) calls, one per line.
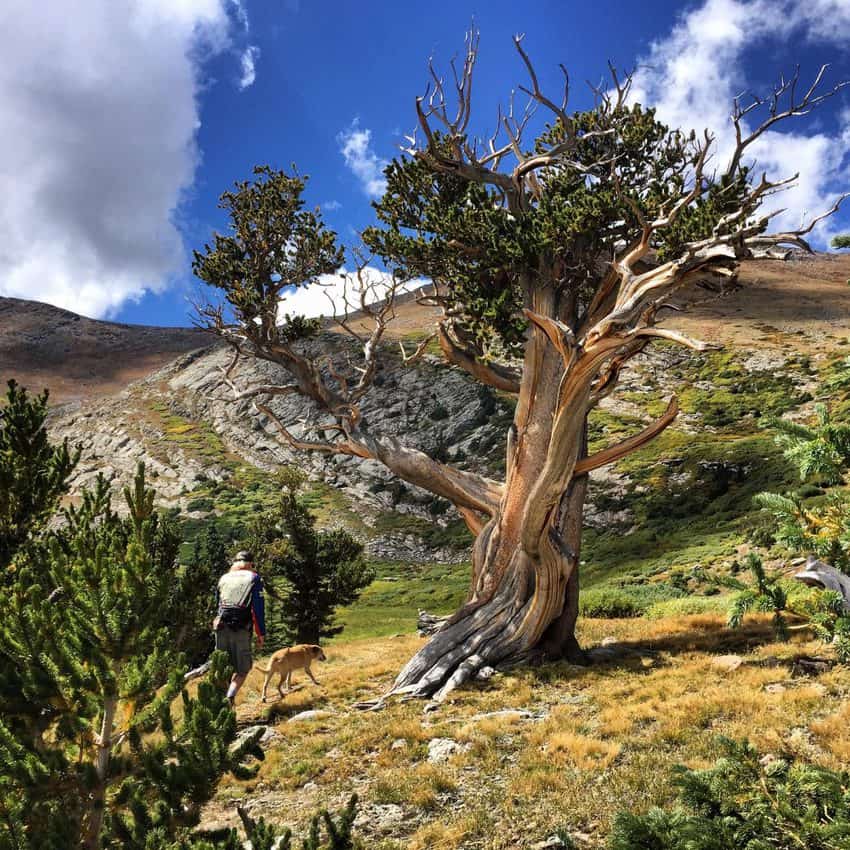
point(273, 243)
point(820, 452)
point(746, 802)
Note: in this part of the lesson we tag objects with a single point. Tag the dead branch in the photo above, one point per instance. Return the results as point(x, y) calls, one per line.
point(795, 108)
point(410, 359)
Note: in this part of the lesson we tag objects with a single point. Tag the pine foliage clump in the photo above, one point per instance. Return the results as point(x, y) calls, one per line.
point(820, 452)
point(33, 472)
point(746, 802)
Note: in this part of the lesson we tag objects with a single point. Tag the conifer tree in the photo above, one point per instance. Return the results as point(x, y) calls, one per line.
point(198, 581)
point(309, 572)
point(33, 472)
point(93, 756)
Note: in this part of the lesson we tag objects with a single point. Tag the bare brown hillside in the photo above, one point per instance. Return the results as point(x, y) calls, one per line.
point(801, 304)
point(78, 358)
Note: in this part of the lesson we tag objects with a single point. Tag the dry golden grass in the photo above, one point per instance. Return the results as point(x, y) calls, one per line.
point(603, 737)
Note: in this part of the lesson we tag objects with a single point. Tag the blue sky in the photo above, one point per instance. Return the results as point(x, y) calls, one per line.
point(160, 114)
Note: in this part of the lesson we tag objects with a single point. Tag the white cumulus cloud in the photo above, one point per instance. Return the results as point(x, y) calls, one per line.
point(355, 145)
point(319, 298)
point(248, 61)
point(98, 115)
point(693, 74)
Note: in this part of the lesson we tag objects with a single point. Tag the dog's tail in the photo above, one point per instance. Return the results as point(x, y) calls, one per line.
point(262, 669)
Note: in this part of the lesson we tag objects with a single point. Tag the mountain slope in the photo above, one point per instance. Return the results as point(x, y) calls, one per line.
point(787, 323)
point(79, 358)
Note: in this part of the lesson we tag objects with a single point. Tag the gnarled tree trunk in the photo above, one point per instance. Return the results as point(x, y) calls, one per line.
point(523, 598)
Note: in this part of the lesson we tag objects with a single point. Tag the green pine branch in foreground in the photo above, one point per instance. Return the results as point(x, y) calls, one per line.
point(101, 741)
point(747, 802)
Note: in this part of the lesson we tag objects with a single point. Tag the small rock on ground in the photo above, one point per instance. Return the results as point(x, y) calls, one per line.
point(314, 714)
point(442, 749)
point(727, 662)
point(264, 740)
point(550, 843)
point(381, 818)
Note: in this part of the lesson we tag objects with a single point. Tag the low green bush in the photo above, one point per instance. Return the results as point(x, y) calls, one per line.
point(202, 503)
point(609, 603)
point(686, 606)
point(746, 802)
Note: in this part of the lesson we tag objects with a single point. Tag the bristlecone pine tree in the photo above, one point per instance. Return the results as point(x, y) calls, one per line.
point(91, 754)
point(551, 260)
point(308, 572)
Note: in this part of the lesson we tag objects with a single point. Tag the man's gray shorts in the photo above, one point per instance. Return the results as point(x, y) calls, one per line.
point(237, 644)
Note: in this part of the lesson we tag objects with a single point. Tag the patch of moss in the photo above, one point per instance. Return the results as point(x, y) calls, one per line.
point(735, 393)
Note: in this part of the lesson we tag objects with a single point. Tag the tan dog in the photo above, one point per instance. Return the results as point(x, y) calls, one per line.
point(284, 661)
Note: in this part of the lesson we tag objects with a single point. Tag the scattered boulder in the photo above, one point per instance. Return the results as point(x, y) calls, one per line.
point(267, 735)
point(440, 750)
point(550, 843)
point(313, 714)
point(381, 818)
point(810, 666)
point(727, 663)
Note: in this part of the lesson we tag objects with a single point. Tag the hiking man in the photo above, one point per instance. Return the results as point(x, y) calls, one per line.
point(240, 606)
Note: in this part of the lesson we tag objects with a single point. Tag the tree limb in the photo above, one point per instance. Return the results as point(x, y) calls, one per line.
point(492, 374)
point(629, 445)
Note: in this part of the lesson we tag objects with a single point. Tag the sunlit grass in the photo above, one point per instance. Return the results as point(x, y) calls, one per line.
point(599, 739)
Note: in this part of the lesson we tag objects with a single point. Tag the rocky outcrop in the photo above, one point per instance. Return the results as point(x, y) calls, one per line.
point(181, 422)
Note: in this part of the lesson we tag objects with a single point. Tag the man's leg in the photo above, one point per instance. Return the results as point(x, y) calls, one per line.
point(242, 662)
point(236, 682)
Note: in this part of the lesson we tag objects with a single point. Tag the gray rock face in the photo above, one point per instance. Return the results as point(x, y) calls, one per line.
point(181, 422)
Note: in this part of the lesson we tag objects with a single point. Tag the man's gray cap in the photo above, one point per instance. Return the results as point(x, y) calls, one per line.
point(245, 556)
